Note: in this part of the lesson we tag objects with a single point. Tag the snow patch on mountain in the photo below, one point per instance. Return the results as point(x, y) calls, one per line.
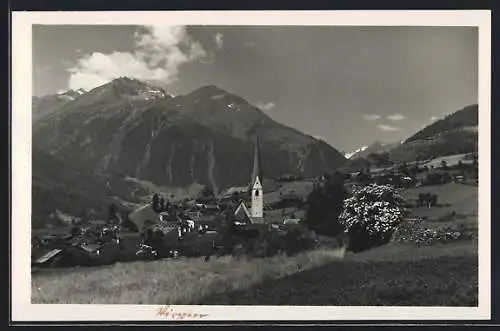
point(349, 155)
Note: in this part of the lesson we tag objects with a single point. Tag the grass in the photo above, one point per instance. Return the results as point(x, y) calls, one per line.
point(393, 275)
point(452, 197)
point(299, 188)
point(184, 281)
point(451, 160)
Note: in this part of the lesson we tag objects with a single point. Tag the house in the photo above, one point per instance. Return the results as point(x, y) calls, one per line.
point(194, 215)
point(291, 221)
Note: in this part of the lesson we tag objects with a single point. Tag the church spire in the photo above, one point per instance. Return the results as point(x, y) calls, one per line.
point(257, 163)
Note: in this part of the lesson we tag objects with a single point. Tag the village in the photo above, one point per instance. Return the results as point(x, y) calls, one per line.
point(167, 229)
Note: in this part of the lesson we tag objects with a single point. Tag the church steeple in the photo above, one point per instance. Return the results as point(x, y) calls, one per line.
point(257, 209)
point(257, 163)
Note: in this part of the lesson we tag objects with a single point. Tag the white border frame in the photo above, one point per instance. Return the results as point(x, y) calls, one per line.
point(23, 310)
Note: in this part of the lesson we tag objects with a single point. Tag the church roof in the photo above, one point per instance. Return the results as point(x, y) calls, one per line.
point(257, 163)
point(241, 212)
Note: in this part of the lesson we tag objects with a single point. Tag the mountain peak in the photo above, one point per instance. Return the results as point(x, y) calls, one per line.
point(71, 93)
point(210, 90)
point(217, 94)
point(126, 86)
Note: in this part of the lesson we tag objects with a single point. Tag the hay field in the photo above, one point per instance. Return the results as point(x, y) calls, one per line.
point(183, 281)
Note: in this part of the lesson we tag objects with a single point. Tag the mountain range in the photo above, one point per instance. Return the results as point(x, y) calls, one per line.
point(136, 129)
point(91, 148)
point(456, 133)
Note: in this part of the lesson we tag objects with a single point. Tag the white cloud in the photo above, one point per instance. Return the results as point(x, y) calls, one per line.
point(159, 53)
point(372, 117)
point(266, 106)
point(396, 117)
point(385, 127)
point(249, 44)
point(218, 40)
point(434, 118)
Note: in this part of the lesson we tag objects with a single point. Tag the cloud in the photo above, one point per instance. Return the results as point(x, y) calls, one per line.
point(385, 127)
point(396, 117)
point(266, 106)
point(434, 118)
point(372, 117)
point(218, 38)
point(249, 44)
point(159, 53)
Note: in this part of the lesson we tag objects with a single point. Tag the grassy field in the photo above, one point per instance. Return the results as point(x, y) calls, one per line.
point(459, 198)
point(451, 160)
point(299, 188)
point(184, 281)
point(393, 275)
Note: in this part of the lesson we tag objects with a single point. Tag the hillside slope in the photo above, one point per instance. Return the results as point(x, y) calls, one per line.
point(43, 106)
point(57, 186)
point(454, 134)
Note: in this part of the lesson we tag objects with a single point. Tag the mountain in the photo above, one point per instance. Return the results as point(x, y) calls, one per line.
point(454, 134)
point(133, 128)
point(376, 147)
point(43, 106)
point(58, 187)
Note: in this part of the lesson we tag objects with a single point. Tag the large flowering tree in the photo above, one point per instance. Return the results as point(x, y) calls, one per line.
point(371, 214)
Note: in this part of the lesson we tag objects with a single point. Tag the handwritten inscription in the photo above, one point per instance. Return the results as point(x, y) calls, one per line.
point(169, 312)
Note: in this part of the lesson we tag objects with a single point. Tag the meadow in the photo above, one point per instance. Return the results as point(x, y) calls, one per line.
point(182, 281)
point(392, 275)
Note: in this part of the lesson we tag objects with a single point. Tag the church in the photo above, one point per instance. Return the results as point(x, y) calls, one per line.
point(256, 213)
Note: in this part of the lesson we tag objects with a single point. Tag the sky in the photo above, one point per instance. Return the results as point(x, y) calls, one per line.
point(347, 85)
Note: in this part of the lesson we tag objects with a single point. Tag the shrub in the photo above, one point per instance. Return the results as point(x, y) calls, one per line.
point(371, 215)
point(415, 232)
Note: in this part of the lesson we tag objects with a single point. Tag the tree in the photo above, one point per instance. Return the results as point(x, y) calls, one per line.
point(403, 168)
point(227, 231)
point(112, 210)
point(433, 199)
point(75, 231)
point(235, 197)
point(427, 199)
point(324, 205)
point(207, 192)
point(371, 215)
point(155, 203)
point(162, 204)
